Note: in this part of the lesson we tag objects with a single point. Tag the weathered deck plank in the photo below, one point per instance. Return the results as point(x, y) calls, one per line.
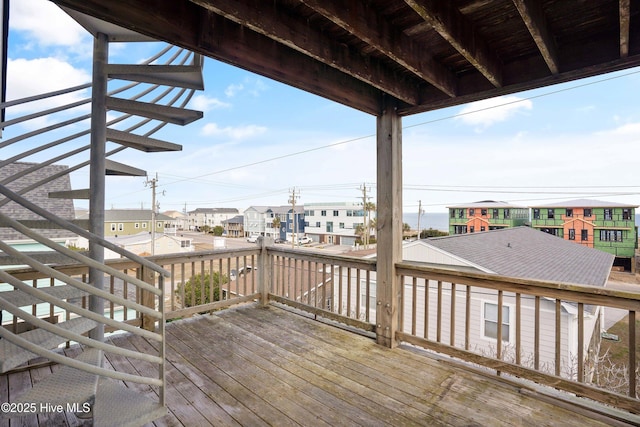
point(255, 366)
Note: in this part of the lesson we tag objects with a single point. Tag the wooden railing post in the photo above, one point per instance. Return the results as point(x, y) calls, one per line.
point(147, 298)
point(264, 269)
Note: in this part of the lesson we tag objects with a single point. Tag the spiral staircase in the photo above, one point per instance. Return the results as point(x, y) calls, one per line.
point(141, 99)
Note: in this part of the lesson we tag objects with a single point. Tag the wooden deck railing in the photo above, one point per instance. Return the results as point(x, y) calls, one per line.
point(551, 332)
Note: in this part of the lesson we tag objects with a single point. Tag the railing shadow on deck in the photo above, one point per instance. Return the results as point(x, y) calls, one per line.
point(551, 332)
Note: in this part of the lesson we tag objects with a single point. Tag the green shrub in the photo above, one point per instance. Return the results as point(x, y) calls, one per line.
point(193, 289)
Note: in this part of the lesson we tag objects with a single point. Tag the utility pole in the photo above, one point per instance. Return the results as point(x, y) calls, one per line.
point(153, 183)
point(365, 207)
point(292, 201)
point(419, 216)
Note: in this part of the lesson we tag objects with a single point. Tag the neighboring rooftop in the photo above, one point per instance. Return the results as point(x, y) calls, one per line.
point(528, 253)
point(585, 203)
point(487, 204)
point(214, 211)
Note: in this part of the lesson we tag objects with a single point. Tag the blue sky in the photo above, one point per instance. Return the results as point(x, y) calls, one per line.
point(259, 139)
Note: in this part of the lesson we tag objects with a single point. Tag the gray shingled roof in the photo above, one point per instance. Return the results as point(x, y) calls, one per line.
point(487, 204)
point(528, 253)
point(133, 215)
point(62, 208)
point(585, 203)
point(215, 211)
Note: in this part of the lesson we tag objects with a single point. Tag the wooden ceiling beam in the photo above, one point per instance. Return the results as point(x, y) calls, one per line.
point(280, 26)
point(456, 29)
point(366, 24)
point(625, 18)
point(536, 22)
point(185, 24)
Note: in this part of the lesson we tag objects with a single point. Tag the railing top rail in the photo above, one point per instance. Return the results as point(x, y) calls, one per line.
point(566, 291)
point(178, 258)
point(364, 263)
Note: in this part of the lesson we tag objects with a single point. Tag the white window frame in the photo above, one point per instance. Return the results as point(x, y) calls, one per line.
point(505, 322)
point(113, 226)
point(120, 226)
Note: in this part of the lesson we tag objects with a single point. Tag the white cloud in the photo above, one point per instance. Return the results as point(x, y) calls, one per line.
point(205, 103)
point(25, 78)
point(46, 23)
point(485, 113)
point(233, 89)
point(241, 132)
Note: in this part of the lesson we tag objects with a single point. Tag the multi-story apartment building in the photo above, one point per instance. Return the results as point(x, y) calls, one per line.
point(275, 221)
point(210, 217)
point(335, 223)
point(607, 226)
point(484, 216)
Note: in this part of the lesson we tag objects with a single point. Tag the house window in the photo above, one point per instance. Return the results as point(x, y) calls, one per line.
point(136, 225)
point(323, 213)
point(113, 227)
point(329, 226)
point(587, 212)
point(363, 294)
point(626, 213)
point(572, 234)
point(611, 235)
point(584, 235)
point(341, 225)
point(507, 213)
point(453, 213)
point(495, 213)
point(551, 214)
point(483, 228)
point(536, 213)
point(144, 225)
point(608, 214)
point(318, 224)
point(459, 229)
point(185, 243)
point(491, 321)
point(336, 213)
point(159, 225)
point(569, 213)
point(471, 229)
point(120, 226)
point(460, 213)
point(472, 212)
point(483, 212)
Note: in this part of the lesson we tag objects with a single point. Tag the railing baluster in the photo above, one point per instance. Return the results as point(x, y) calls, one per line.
point(558, 335)
point(452, 326)
point(580, 375)
point(358, 291)
point(500, 320)
point(467, 318)
point(518, 328)
point(536, 335)
point(632, 355)
point(439, 313)
point(340, 289)
point(427, 291)
point(414, 304)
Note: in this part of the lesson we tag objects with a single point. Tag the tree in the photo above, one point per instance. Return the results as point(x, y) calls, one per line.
point(406, 227)
point(217, 230)
point(194, 287)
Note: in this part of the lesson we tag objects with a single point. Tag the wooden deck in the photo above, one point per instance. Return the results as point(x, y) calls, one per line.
point(257, 366)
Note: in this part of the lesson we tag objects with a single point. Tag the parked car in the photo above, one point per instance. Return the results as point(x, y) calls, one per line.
point(253, 238)
point(278, 240)
point(304, 240)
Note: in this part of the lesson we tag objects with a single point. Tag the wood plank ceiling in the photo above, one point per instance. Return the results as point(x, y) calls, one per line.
point(425, 54)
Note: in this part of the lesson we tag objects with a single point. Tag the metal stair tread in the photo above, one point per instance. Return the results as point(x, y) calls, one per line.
point(116, 168)
point(142, 143)
point(165, 113)
point(117, 405)
point(12, 355)
point(22, 299)
point(68, 387)
point(184, 76)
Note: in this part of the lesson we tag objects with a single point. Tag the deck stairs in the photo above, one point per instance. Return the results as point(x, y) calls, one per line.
point(44, 302)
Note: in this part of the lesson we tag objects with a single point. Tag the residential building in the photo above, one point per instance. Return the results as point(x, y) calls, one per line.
point(519, 252)
point(484, 216)
point(210, 217)
point(607, 226)
point(127, 222)
point(234, 227)
point(141, 244)
point(335, 222)
point(275, 221)
point(180, 219)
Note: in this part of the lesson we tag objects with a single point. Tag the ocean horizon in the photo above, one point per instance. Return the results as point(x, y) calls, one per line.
point(435, 220)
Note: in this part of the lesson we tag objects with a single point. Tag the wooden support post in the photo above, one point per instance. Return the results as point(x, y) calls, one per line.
point(147, 298)
point(264, 269)
point(389, 220)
